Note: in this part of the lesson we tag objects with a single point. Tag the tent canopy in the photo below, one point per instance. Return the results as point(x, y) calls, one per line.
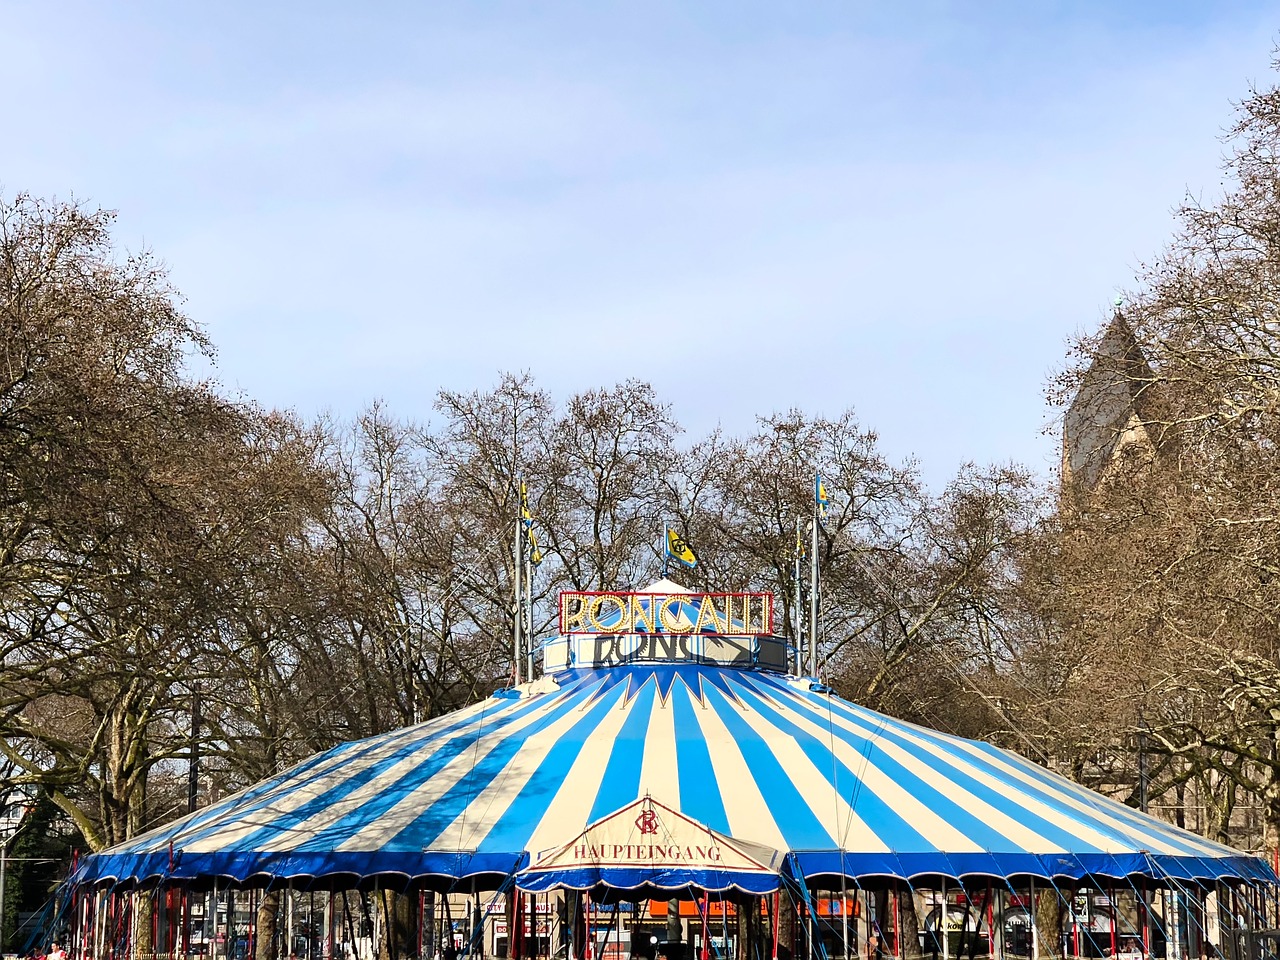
point(663, 776)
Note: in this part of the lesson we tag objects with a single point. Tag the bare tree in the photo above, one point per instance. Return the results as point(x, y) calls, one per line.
point(1167, 564)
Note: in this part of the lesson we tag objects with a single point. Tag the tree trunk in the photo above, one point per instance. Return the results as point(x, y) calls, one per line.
point(1271, 816)
point(144, 912)
point(399, 923)
point(1049, 922)
point(909, 924)
point(264, 937)
point(786, 925)
point(675, 931)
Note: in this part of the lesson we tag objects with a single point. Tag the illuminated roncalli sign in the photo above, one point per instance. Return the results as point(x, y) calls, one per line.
point(666, 626)
point(705, 614)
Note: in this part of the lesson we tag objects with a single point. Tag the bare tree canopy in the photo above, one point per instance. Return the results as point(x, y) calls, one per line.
point(1161, 573)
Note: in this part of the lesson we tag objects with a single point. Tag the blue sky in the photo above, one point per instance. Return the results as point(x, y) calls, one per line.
point(903, 208)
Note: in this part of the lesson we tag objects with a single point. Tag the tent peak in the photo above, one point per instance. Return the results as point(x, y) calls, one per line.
point(665, 585)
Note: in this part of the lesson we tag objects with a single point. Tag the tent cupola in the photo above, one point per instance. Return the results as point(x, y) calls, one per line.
point(666, 623)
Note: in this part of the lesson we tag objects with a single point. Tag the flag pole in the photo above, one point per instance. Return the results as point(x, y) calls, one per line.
point(528, 605)
point(798, 583)
point(518, 549)
point(666, 549)
point(813, 587)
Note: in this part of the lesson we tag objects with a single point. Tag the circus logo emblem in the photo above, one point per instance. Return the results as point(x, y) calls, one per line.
point(647, 834)
point(648, 822)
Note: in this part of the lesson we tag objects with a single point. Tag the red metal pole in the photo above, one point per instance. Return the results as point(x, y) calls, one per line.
point(991, 923)
point(76, 923)
point(776, 903)
point(1145, 916)
point(704, 906)
point(328, 933)
point(1111, 906)
point(515, 946)
point(90, 923)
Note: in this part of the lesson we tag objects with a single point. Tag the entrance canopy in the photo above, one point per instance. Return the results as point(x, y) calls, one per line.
point(647, 844)
point(665, 775)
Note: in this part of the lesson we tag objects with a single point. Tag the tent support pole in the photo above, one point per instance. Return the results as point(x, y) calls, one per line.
point(255, 900)
point(941, 928)
point(1075, 931)
point(809, 919)
point(775, 919)
point(999, 932)
point(1034, 912)
point(1146, 920)
point(844, 909)
point(724, 923)
point(705, 905)
point(351, 928)
point(991, 922)
point(1115, 916)
point(897, 919)
point(329, 929)
point(809, 914)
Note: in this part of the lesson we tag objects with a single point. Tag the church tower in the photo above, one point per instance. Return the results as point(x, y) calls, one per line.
point(1112, 412)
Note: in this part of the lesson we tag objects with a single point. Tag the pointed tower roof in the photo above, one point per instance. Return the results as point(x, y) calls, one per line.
point(1114, 394)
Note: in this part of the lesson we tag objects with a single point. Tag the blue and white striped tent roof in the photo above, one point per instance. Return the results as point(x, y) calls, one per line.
point(665, 776)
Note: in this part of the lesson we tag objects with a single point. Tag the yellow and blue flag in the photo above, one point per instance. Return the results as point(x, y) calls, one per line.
point(820, 495)
point(525, 515)
point(680, 551)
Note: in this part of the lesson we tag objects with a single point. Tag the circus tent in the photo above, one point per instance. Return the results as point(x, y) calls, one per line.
point(665, 768)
